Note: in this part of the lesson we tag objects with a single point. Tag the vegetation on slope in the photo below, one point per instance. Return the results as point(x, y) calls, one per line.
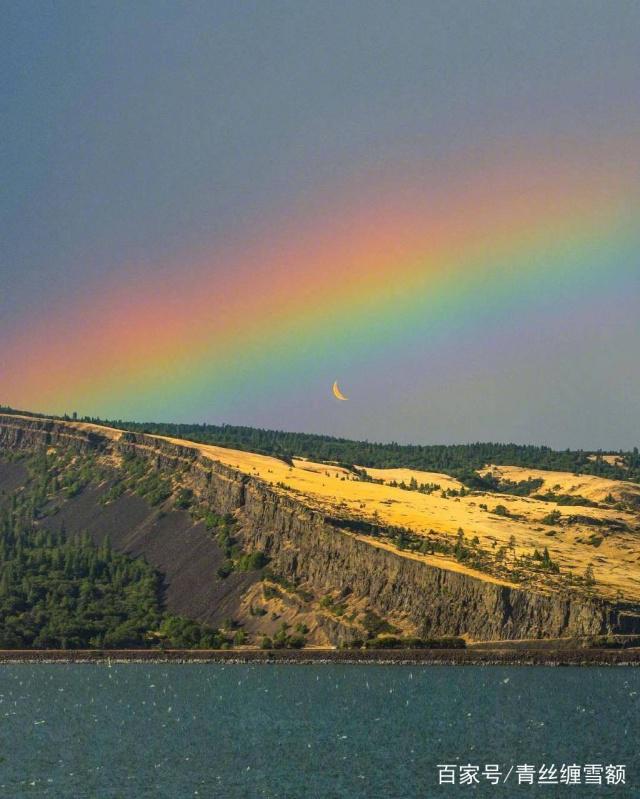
point(459, 460)
point(563, 558)
point(63, 592)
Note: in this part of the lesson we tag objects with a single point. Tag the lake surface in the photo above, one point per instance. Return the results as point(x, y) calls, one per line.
point(308, 731)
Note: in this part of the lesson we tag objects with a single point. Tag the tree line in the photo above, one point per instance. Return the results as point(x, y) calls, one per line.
point(458, 460)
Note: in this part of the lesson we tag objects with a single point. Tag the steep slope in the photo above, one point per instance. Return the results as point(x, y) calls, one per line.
point(186, 554)
point(348, 556)
point(608, 533)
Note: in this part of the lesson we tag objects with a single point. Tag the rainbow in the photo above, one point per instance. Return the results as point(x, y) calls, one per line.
point(364, 274)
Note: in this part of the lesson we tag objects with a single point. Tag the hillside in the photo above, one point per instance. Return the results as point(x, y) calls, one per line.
point(289, 546)
point(460, 460)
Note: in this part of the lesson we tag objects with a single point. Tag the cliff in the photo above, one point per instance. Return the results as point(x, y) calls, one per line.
point(309, 547)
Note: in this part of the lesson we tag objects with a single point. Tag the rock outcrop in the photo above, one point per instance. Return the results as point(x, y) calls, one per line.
point(306, 546)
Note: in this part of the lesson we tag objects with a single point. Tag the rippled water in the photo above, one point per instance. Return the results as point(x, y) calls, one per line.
point(306, 731)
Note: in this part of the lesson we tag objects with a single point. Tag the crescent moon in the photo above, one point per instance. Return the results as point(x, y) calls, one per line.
point(337, 393)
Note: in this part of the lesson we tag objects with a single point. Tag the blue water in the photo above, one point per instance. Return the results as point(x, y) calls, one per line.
point(360, 732)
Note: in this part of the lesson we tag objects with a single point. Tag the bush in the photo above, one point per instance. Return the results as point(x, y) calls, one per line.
point(375, 626)
point(252, 562)
point(180, 633)
point(72, 490)
point(158, 495)
point(117, 490)
point(337, 608)
point(225, 570)
point(212, 520)
point(271, 592)
point(184, 499)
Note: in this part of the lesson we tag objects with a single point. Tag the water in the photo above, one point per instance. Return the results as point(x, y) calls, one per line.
point(360, 732)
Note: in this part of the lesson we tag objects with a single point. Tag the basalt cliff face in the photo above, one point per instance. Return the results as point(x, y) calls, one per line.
point(308, 547)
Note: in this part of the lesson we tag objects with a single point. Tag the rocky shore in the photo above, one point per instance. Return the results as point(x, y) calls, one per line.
point(418, 657)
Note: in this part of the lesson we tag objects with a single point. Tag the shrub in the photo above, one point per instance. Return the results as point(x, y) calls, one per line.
point(374, 625)
point(271, 592)
point(212, 520)
point(501, 510)
point(589, 576)
point(184, 499)
point(225, 570)
point(252, 562)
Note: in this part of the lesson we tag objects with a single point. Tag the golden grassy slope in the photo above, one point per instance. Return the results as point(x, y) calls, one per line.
point(583, 485)
point(335, 490)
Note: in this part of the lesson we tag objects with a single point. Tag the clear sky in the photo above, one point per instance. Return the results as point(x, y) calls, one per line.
point(212, 210)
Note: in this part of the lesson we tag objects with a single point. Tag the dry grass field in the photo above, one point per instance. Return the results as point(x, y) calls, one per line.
point(584, 522)
point(510, 528)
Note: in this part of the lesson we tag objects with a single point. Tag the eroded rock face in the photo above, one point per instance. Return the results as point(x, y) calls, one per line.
point(435, 601)
point(305, 545)
point(23, 433)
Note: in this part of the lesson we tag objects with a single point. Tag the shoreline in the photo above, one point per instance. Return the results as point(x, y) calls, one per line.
point(416, 657)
